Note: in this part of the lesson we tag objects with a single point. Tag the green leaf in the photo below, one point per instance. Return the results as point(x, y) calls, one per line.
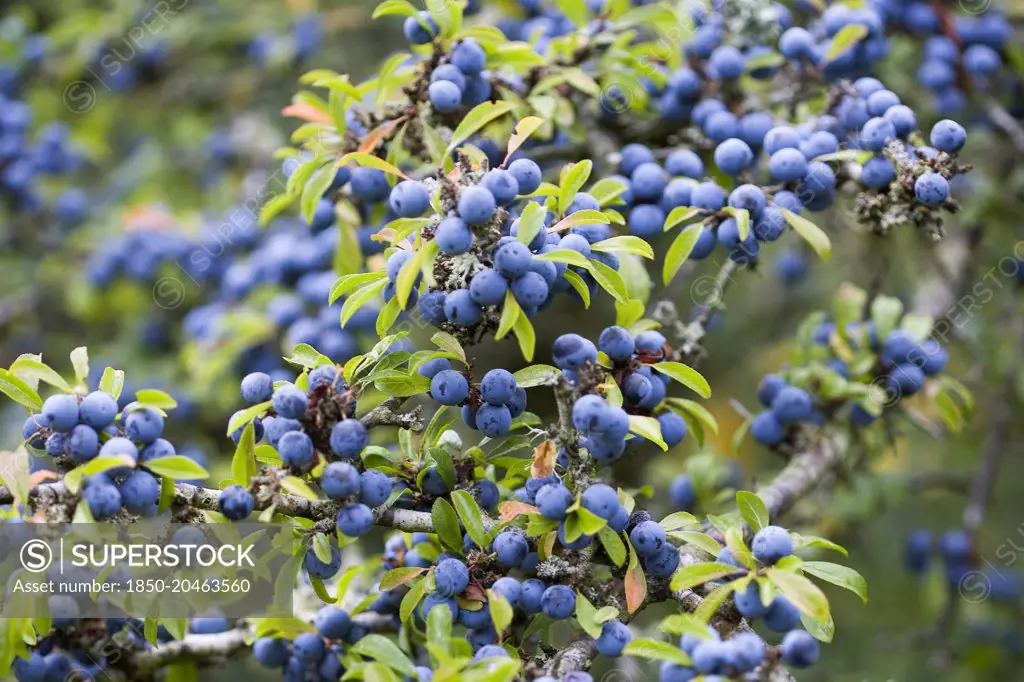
point(701, 540)
point(20, 392)
point(439, 625)
point(314, 190)
point(844, 41)
point(243, 463)
point(27, 367)
point(537, 375)
point(655, 650)
point(573, 177)
point(397, 576)
point(296, 486)
point(150, 397)
point(742, 217)
point(531, 222)
point(843, 576)
point(510, 313)
point(471, 516)
point(347, 283)
point(579, 285)
point(804, 594)
point(526, 337)
point(753, 509)
point(524, 128)
point(649, 428)
point(606, 190)
point(679, 215)
point(412, 599)
point(685, 375)
point(242, 417)
point(684, 624)
point(625, 244)
point(177, 467)
point(801, 541)
point(390, 7)
point(354, 302)
point(823, 631)
point(585, 616)
point(477, 118)
point(586, 216)
point(446, 525)
point(886, 312)
point(411, 270)
point(112, 382)
point(501, 611)
point(613, 545)
point(80, 363)
point(589, 522)
point(274, 206)
point(448, 343)
point(567, 256)
point(382, 649)
point(692, 575)
point(811, 233)
point(677, 520)
point(369, 160)
point(609, 280)
point(679, 251)
point(713, 600)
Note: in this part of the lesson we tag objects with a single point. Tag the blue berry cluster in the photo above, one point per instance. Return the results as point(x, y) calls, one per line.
point(488, 408)
point(851, 367)
point(75, 429)
point(634, 366)
point(312, 655)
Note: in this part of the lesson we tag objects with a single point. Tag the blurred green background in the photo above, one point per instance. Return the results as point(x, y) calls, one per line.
point(193, 134)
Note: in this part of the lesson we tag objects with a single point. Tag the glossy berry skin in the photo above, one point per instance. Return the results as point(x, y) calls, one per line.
point(800, 649)
point(271, 652)
point(673, 428)
point(468, 56)
point(767, 429)
point(647, 538)
point(488, 287)
point(460, 308)
point(509, 588)
point(748, 602)
point(450, 577)
point(931, 189)
point(527, 174)
point(553, 501)
point(572, 351)
point(296, 449)
point(374, 488)
point(98, 409)
point(449, 387)
point(601, 500)
point(771, 543)
point(103, 498)
point(792, 404)
point(453, 236)
point(445, 96)
point(476, 205)
point(60, 412)
point(421, 29)
point(355, 520)
point(781, 616)
point(558, 602)
point(308, 648)
point(617, 343)
point(510, 549)
point(332, 622)
point(348, 438)
point(140, 493)
point(290, 401)
point(340, 481)
point(257, 388)
point(614, 638)
point(498, 386)
point(409, 198)
point(948, 136)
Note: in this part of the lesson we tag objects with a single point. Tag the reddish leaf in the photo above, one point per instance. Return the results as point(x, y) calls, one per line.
point(374, 137)
point(511, 509)
point(307, 112)
point(544, 457)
